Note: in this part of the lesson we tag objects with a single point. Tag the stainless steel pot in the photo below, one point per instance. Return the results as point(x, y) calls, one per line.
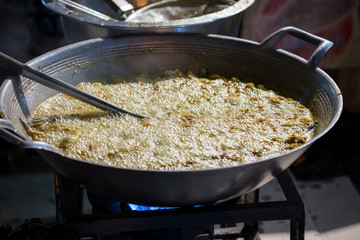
point(152, 53)
point(79, 26)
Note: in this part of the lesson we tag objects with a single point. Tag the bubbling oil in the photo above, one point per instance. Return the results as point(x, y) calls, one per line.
point(192, 123)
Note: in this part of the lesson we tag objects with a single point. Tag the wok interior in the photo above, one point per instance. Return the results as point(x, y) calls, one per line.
point(116, 58)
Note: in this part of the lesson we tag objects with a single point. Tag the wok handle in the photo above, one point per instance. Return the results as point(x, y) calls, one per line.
point(7, 132)
point(323, 44)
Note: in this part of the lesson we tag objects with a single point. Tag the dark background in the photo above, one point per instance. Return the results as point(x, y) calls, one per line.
point(28, 29)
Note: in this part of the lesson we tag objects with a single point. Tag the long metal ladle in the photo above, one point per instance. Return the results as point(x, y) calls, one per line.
point(14, 67)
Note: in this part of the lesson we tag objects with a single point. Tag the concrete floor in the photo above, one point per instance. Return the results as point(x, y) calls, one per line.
point(327, 176)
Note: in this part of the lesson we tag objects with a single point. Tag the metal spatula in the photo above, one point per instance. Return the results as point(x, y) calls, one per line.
point(14, 67)
point(82, 8)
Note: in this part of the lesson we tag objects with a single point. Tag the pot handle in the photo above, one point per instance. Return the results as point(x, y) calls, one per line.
point(323, 44)
point(7, 132)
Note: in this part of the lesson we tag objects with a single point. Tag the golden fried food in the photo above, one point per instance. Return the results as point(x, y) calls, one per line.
point(192, 123)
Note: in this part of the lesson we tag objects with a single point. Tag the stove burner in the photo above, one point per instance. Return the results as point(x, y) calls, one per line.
point(103, 205)
point(176, 223)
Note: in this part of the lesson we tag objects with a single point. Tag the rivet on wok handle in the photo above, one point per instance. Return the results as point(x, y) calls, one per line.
point(14, 67)
point(323, 44)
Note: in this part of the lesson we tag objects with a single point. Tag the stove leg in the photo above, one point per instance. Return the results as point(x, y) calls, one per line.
point(297, 229)
point(69, 199)
point(250, 230)
point(297, 222)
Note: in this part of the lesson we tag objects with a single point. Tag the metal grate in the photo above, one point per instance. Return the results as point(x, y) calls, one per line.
point(182, 223)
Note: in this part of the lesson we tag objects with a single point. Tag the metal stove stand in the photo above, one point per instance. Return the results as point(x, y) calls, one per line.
point(183, 223)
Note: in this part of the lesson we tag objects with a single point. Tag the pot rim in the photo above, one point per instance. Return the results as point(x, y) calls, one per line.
point(230, 11)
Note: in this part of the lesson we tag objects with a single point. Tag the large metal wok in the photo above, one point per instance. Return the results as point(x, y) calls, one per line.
point(127, 55)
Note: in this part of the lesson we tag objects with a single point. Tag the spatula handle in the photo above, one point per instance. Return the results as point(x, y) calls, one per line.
point(14, 67)
point(10, 65)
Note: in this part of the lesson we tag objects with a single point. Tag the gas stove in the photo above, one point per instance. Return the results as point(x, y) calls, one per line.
point(235, 219)
point(218, 221)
